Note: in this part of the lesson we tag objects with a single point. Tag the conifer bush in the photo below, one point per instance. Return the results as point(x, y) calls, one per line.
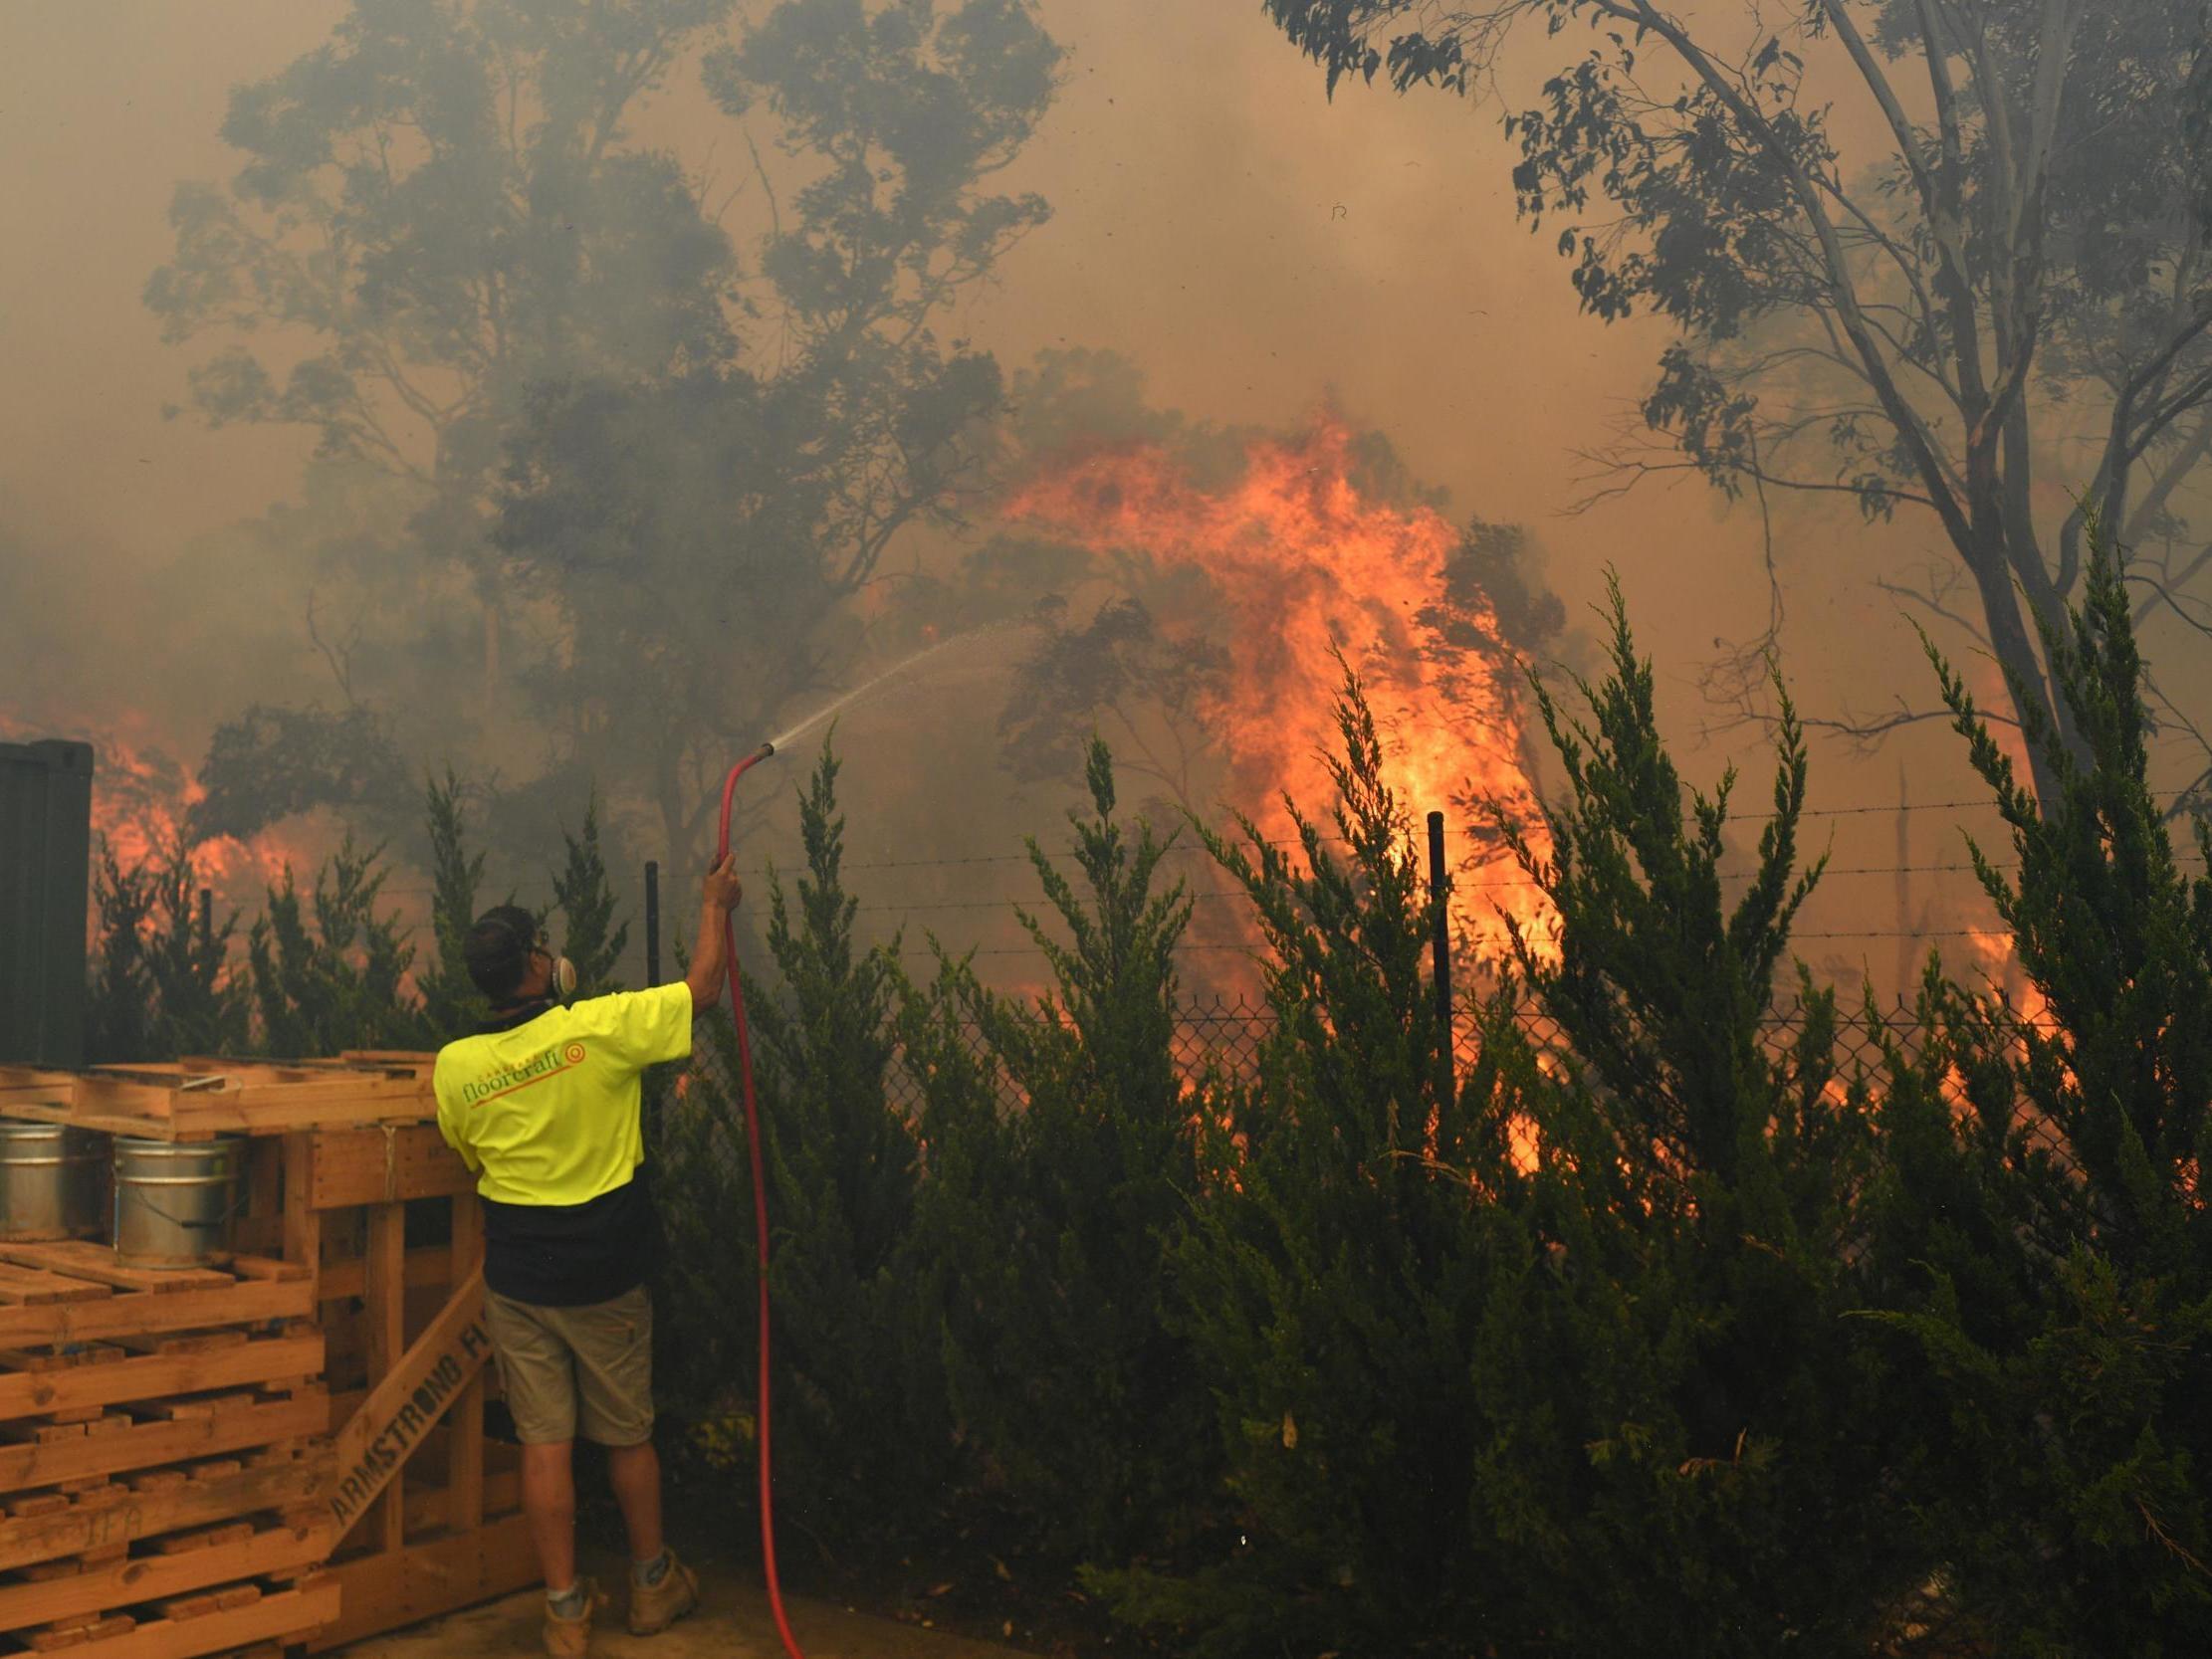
point(452, 1006)
point(329, 970)
point(1687, 1448)
point(2045, 1230)
point(1599, 1398)
point(1335, 1276)
point(862, 1440)
point(120, 1007)
point(591, 935)
point(199, 999)
point(161, 984)
point(1045, 1219)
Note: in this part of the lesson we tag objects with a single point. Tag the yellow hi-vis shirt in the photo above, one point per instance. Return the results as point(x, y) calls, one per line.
point(546, 1112)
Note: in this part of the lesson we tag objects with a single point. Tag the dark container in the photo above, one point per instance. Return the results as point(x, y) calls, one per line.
point(46, 821)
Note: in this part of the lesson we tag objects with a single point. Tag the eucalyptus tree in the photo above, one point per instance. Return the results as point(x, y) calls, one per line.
point(2010, 287)
point(435, 210)
point(709, 526)
point(656, 430)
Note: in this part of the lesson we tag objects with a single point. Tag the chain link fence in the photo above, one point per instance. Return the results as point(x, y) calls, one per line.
point(1224, 1036)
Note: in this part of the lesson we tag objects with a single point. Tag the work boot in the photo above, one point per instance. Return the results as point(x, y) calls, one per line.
point(654, 1607)
point(568, 1638)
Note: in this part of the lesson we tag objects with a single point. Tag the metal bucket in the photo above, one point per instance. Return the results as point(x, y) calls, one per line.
point(175, 1201)
point(52, 1182)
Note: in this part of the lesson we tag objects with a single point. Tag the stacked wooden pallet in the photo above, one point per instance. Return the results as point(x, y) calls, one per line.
point(162, 1454)
point(288, 1449)
point(427, 1508)
point(194, 1100)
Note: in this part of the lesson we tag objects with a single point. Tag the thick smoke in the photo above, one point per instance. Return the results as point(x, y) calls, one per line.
point(648, 533)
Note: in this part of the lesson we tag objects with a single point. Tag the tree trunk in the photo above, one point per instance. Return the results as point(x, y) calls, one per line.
point(2018, 656)
point(2047, 593)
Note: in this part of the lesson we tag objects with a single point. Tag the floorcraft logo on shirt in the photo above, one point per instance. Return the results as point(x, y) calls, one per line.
point(521, 1077)
point(567, 1128)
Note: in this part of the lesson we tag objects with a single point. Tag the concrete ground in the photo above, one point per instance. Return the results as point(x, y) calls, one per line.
point(733, 1622)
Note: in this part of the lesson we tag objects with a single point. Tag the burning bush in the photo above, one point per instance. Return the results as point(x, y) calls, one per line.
point(1595, 1400)
point(2046, 1241)
point(1334, 1278)
point(161, 981)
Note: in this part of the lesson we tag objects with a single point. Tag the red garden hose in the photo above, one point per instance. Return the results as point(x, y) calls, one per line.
point(760, 1206)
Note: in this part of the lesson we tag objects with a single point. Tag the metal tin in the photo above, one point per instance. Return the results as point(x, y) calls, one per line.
point(176, 1201)
point(52, 1182)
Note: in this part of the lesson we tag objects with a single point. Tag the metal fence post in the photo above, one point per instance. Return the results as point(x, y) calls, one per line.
point(656, 1081)
point(1440, 891)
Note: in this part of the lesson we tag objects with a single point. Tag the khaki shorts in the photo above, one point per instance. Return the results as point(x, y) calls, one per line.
point(568, 1369)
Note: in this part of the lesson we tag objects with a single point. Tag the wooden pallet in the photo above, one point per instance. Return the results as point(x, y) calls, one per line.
point(432, 1521)
point(164, 1444)
point(194, 1100)
point(287, 1448)
point(279, 1617)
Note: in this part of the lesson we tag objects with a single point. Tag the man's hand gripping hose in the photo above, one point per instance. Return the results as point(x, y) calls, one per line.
point(760, 1208)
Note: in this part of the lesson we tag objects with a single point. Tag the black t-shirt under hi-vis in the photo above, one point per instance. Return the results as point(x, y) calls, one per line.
point(572, 1254)
point(546, 1098)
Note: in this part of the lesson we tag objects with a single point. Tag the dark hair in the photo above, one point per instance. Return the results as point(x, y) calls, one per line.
point(498, 948)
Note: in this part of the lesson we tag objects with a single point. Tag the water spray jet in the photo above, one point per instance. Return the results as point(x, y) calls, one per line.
point(791, 735)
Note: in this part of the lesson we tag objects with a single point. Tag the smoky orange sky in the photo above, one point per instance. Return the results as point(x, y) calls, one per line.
point(1254, 247)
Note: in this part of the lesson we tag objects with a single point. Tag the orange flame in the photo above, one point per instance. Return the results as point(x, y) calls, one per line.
point(141, 809)
point(1998, 958)
point(143, 805)
point(1307, 568)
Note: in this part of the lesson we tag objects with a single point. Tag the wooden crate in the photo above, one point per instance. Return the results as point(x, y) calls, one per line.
point(195, 1099)
point(287, 1449)
point(428, 1513)
point(163, 1451)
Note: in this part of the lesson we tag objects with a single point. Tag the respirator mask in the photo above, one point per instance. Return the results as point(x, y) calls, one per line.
point(563, 984)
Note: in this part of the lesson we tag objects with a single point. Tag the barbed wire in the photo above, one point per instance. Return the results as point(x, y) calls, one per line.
point(2188, 862)
point(1223, 1042)
point(1193, 850)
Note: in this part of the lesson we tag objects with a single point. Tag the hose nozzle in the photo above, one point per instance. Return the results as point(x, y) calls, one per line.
point(764, 751)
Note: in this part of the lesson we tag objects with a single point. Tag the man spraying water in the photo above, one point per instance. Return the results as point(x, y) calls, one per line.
point(542, 1105)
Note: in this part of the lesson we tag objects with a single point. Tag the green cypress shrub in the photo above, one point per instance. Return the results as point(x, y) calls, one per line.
point(591, 937)
point(1047, 1221)
point(160, 986)
point(1686, 1452)
point(861, 1437)
point(452, 1006)
point(201, 999)
point(1600, 1401)
point(2045, 1232)
point(120, 1007)
point(330, 973)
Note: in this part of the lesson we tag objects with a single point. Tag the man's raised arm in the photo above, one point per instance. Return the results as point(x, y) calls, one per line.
point(709, 965)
